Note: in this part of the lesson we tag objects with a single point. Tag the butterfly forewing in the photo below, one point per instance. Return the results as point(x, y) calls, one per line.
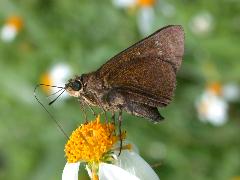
point(148, 78)
point(147, 70)
point(167, 43)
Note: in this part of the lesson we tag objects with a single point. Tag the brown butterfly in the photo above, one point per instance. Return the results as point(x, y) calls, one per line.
point(138, 80)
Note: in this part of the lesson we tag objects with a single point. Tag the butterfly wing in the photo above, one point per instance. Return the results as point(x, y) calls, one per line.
point(146, 71)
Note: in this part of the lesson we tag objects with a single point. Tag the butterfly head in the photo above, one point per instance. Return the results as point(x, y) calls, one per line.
point(74, 86)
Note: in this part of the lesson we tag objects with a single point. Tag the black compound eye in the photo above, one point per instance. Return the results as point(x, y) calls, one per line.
point(76, 86)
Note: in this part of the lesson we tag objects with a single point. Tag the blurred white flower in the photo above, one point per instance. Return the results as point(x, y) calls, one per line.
point(212, 107)
point(145, 13)
point(95, 145)
point(11, 28)
point(8, 33)
point(202, 23)
point(231, 92)
point(125, 3)
point(145, 20)
point(58, 76)
point(167, 9)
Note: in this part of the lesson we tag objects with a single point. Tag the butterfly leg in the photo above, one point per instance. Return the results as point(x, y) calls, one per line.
point(101, 106)
point(113, 120)
point(91, 109)
point(120, 130)
point(83, 109)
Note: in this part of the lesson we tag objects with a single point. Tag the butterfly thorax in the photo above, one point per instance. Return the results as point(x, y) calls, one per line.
point(90, 90)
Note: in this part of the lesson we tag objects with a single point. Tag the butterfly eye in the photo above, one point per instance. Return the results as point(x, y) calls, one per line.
point(76, 85)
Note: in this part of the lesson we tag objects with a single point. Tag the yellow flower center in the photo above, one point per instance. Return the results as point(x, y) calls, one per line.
point(146, 2)
point(215, 87)
point(90, 141)
point(15, 21)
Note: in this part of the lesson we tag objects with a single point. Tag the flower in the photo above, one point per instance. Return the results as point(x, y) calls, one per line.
point(202, 23)
point(132, 3)
point(96, 145)
point(168, 10)
point(145, 20)
point(211, 106)
point(231, 92)
point(145, 13)
point(124, 3)
point(57, 75)
point(11, 28)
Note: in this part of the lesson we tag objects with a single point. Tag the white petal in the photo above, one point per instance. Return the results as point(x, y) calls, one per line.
point(231, 92)
point(8, 33)
point(168, 10)
point(202, 23)
point(59, 74)
point(212, 108)
point(70, 171)
point(136, 165)
point(110, 172)
point(217, 113)
point(89, 171)
point(124, 3)
point(145, 20)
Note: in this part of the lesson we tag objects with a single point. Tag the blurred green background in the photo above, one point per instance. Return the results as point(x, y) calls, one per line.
point(85, 34)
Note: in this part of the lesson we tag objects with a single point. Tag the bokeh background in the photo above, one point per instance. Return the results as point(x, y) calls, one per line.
point(54, 40)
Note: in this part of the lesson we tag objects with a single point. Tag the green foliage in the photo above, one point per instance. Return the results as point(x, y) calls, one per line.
point(85, 34)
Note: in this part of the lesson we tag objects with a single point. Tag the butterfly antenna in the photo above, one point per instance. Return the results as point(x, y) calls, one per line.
point(48, 86)
point(56, 98)
point(55, 93)
point(52, 117)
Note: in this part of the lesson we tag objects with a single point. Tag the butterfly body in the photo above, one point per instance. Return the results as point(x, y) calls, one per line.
point(139, 79)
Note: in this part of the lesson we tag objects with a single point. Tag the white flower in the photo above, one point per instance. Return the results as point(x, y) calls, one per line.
point(95, 145)
point(10, 29)
point(145, 20)
point(212, 108)
point(8, 33)
point(57, 75)
point(129, 166)
point(124, 3)
point(202, 23)
point(231, 92)
point(145, 13)
point(167, 9)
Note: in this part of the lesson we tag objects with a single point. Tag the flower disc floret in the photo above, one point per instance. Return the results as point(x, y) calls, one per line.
point(90, 141)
